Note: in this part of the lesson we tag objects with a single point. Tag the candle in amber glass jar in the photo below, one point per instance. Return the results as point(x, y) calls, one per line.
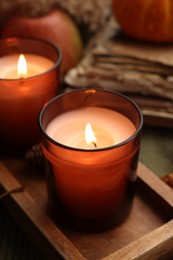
point(23, 94)
point(93, 179)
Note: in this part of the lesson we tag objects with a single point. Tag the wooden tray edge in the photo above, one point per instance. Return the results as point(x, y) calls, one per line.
point(156, 243)
point(156, 184)
point(138, 249)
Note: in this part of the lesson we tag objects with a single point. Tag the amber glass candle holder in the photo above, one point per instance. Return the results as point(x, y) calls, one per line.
point(93, 187)
point(21, 99)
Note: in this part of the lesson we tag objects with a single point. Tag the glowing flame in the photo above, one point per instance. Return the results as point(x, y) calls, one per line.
point(22, 66)
point(89, 135)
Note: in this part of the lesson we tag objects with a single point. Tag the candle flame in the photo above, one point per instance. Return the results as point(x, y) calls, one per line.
point(89, 135)
point(22, 66)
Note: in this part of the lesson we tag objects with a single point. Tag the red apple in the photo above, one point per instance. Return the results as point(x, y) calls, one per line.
point(56, 27)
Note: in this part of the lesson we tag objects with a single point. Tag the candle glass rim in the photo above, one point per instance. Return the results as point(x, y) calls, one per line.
point(55, 65)
point(128, 140)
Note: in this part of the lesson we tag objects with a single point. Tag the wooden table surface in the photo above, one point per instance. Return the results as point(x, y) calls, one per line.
point(156, 154)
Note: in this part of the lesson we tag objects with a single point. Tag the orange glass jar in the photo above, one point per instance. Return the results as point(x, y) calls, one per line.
point(93, 186)
point(22, 98)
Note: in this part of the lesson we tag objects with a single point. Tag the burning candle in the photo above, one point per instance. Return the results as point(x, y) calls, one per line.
point(94, 179)
point(24, 92)
point(11, 66)
point(110, 128)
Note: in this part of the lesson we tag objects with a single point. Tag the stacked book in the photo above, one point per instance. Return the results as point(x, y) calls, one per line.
point(143, 71)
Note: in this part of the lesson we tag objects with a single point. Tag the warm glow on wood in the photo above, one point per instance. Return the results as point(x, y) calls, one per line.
point(89, 135)
point(22, 66)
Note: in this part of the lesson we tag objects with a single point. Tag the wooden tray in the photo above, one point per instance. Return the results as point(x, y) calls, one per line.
point(147, 233)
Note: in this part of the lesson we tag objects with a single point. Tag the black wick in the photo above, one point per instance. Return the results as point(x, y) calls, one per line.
point(94, 144)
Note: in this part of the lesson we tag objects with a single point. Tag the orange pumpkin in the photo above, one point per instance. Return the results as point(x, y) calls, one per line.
point(145, 19)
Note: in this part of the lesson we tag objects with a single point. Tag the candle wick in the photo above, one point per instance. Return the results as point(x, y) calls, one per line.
point(94, 144)
point(22, 77)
